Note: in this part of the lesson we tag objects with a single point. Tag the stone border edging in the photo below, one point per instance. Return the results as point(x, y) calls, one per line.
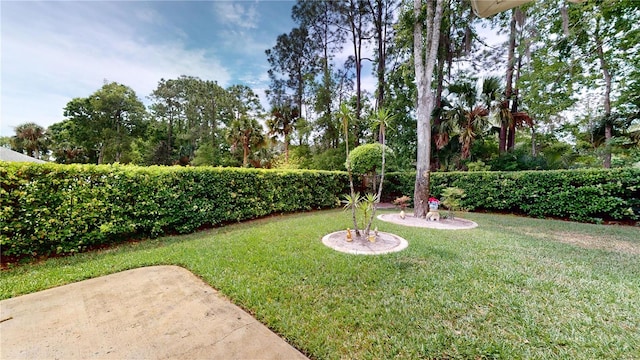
point(445, 224)
point(385, 243)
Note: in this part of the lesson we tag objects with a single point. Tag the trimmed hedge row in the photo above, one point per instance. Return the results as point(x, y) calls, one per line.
point(50, 208)
point(583, 195)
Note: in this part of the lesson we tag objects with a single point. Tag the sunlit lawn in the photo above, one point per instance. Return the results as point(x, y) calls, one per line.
point(511, 288)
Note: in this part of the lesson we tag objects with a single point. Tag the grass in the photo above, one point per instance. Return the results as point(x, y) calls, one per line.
point(512, 288)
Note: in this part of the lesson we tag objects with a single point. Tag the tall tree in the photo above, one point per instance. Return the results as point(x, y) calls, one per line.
point(193, 112)
point(507, 126)
point(356, 20)
point(106, 122)
point(382, 14)
point(321, 19)
point(293, 57)
point(168, 100)
point(282, 122)
point(457, 35)
point(427, 19)
point(549, 71)
point(244, 129)
point(247, 133)
point(604, 32)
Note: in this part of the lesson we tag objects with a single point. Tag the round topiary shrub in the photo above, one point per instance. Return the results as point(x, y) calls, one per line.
point(367, 159)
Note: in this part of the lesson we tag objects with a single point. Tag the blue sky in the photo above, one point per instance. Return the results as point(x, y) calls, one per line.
point(53, 51)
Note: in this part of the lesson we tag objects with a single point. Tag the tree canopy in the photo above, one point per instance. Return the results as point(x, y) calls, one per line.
point(559, 91)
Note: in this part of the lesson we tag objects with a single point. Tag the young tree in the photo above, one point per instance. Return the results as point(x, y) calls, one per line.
point(353, 198)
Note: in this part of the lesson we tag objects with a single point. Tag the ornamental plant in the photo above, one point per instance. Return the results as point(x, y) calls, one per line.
point(366, 159)
point(383, 117)
point(402, 202)
point(452, 199)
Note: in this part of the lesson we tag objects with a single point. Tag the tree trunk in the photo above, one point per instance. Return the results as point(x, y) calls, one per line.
point(245, 152)
point(608, 128)
point(167, 161)
point(101, 154)
point(378, 20)
point(564, 13)
point(214, 130)
point(534, 151)
point(425, 56)
point(286, 148)
point(345, 126)
point(511, 140)
point(508, 91)
point(379, 194)
point(356, 39)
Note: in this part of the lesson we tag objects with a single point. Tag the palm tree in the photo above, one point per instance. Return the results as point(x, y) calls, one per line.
point(282, 122)
point(469, 112)
point(30, 137)
point(246, 132)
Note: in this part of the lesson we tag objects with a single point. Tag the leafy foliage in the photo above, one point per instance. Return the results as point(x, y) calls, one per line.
point(367, 158)
point(66, 208)
point(105, 123)
point(364, 206)
point(452, 199)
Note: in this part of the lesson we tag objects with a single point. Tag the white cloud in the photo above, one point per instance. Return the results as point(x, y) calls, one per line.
point(242, 15)
point(53, 52)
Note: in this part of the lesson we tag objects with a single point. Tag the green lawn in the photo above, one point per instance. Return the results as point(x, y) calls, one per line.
point(511, 288)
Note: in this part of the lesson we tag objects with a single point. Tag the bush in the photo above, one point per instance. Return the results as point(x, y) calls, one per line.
point(518, 160)
point(452, 199)
point(590, 195)
point(331, 159)
point(367, 158)
point(50, 208)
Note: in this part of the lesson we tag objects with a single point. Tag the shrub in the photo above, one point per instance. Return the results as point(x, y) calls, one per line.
point(591, 195)
point(452, 199)
point(50, 208)
point(367, 158)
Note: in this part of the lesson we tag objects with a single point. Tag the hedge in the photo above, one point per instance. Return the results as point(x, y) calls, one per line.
point(583, 195)
point(51, 208)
